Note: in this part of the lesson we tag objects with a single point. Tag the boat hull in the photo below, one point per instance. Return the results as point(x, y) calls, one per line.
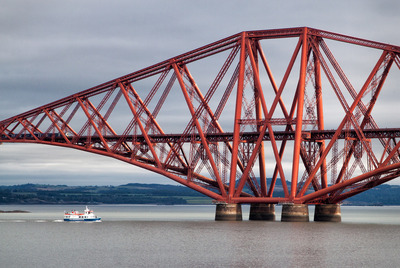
point(94, 219)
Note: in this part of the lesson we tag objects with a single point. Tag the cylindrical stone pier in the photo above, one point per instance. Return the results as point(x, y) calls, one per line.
point(295, 213)
point(262, 212)
point(327, 212)
point(228, 212)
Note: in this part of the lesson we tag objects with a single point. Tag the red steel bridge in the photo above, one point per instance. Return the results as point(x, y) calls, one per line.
point(223, 118)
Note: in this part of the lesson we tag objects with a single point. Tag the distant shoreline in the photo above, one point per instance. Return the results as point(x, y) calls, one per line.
point(155, 194)
point(14, 211)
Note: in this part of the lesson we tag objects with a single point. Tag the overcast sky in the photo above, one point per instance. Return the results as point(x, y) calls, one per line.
point(52, 49)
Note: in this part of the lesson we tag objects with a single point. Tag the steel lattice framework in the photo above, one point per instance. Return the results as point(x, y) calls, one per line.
point(241, 126)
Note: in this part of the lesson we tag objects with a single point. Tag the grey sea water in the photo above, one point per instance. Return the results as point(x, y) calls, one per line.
point(188, 236)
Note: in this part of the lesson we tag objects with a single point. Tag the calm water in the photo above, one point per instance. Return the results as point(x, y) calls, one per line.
point(187, 236)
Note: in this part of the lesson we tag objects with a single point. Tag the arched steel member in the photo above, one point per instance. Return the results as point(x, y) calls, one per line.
point(233, 131)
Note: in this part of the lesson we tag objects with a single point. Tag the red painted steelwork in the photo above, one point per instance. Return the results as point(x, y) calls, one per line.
point(234, 131)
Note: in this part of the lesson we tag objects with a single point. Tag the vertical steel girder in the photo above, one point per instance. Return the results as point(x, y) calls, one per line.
point(232, 139)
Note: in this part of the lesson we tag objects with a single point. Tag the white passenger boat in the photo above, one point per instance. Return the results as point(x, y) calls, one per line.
point(75, 215)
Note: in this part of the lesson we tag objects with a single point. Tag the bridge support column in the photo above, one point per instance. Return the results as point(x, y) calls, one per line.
point(327, 212)
point(228, 212)
point(262, 212)
point(295, 213)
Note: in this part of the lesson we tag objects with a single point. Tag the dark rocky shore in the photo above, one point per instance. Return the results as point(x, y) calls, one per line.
point(14, 211)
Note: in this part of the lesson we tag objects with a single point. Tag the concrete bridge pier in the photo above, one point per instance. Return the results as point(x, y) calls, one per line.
point(327, 212)
point(262, 212)
point(295, 213)
point(228, 212)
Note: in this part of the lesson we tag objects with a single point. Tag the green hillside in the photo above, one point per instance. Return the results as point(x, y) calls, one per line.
point(136, 193)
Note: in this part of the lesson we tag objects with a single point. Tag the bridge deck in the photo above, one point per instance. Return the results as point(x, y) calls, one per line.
point(313, 135)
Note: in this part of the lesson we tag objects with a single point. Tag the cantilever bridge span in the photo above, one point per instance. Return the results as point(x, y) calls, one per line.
point(223, 118)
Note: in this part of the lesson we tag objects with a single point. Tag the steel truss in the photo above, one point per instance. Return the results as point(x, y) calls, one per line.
point(242, 127)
